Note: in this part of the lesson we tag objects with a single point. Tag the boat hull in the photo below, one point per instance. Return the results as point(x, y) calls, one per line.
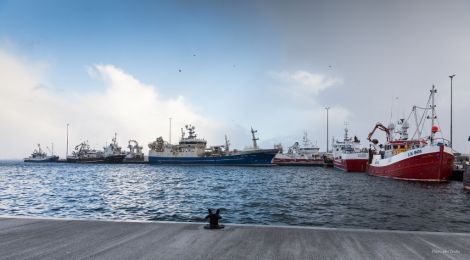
point(298, 162)
point(255, 158)
point(351, 165)
point(108, 159)
point(42, 160)
point(430, 165)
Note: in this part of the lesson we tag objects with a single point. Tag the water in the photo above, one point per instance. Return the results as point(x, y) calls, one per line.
point(266, 195)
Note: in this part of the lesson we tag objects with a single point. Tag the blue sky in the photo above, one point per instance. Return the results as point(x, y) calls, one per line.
point(217, 52)
point(271, 64)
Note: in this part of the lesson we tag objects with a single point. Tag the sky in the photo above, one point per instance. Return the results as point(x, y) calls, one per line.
point(125, 67)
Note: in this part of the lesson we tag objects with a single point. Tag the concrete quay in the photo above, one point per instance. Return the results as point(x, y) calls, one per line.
point(41, 238)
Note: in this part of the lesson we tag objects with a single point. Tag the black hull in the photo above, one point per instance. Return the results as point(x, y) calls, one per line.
point(114, 159)
point(45, 160)
point(109, 159)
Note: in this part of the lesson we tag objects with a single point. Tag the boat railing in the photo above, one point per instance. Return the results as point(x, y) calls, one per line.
point(442, 141)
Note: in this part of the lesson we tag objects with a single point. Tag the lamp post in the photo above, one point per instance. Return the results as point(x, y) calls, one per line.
point(451, 77)
point(67, 149)
point(170, 130)
point(327, 130)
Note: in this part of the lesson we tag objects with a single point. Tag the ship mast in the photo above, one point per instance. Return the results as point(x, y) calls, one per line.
point(305, 139)
point(346, 131)
point(433, 112)
point(227, 144)
point(255, 145)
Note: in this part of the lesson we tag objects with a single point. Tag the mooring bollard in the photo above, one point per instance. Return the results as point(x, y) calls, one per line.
point(213, 220)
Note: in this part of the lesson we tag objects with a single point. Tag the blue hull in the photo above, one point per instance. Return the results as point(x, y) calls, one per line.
point(244, 159)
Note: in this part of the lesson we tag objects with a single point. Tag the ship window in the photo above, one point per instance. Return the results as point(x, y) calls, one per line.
point(395, 147)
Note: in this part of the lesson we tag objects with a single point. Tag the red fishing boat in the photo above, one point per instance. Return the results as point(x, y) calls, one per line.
point(348, 155)
point(416, 159)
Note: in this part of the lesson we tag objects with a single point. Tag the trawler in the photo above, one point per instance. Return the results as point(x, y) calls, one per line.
point(194, 151)
point(84, 154)
point(39, 155)
point(417, 158)
point(135, 154)
point(306, 154)
point(349, 155)
point(113, 152)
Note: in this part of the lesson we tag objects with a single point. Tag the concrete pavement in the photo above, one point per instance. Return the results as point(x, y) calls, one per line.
point(36, 238)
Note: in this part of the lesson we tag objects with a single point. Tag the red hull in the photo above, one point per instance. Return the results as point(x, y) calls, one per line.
point(427, 167)
point(299, 162)
point(357, 165)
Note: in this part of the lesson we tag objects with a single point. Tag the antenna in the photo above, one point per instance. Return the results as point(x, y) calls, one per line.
point(391, 109)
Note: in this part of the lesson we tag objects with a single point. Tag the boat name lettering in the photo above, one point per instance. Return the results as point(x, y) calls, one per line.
point(415, 152)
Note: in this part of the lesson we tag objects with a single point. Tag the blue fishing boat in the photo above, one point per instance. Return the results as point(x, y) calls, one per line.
point(194, 151)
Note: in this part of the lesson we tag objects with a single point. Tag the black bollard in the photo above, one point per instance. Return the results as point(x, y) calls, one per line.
point(213, 220)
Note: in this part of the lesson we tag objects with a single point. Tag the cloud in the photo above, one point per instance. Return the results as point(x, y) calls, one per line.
point(299, 95)
point(30, 114)
point(305, 82)
point(301, 89)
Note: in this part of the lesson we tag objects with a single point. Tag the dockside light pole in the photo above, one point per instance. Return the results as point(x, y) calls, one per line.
point(327, 130)
point(170, 130)
point(67, 149)
point(451, 77)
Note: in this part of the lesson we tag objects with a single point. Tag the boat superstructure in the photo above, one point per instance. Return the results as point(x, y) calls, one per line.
point(39, 155)
point(349, 155)
point(417, 158)
point(84, 154)
point(112, 153)
point(307, 154)
point(135, 154)
point(192, 150)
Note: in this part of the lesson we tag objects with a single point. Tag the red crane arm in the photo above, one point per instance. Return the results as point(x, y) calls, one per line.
point(381, 127)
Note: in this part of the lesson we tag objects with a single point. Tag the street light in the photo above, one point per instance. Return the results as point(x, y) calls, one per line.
point(327, 133)
point(451, 77)
point(170, 130)
point(67, 149)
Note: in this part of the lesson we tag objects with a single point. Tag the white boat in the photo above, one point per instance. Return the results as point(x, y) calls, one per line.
point(39, 155)
point(307, 154)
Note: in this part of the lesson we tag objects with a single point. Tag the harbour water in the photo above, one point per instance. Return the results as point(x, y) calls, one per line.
point(307, 196)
